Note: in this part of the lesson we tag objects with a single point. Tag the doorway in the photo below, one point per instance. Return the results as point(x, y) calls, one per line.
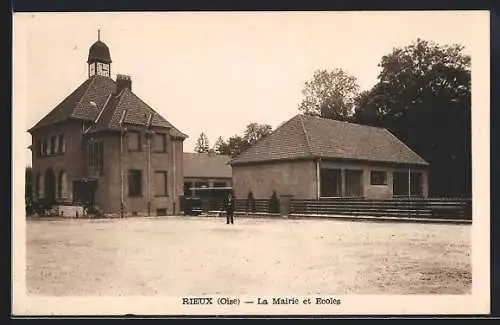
point(353, 183)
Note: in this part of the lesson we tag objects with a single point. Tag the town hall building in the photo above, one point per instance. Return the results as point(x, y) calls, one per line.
point(104, 146)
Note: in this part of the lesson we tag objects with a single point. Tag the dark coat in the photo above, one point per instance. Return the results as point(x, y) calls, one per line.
point(229, 205)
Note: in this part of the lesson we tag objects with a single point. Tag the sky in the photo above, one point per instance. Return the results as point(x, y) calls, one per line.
point(216, 72)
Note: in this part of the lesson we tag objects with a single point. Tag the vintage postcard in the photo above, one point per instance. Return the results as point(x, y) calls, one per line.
point(251, 163)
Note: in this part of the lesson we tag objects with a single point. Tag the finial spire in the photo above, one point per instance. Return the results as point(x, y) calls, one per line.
point(98, 34)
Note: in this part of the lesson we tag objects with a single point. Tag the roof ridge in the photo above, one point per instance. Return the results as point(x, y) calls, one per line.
point(308, 142)
point(118, 99)
point(103, 108)
point(347, 122)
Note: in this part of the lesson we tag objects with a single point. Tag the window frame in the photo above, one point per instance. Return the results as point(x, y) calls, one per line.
point(61, 147)
point(137, 193)
point(164, 139)
point(384, 182)
point(165, 175)
point(52, 145)
point(96, 156)
point(139, 141)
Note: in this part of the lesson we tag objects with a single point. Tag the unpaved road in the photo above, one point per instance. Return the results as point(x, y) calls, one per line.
point(174, 256)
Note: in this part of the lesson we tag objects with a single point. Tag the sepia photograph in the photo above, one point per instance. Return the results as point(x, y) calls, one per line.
point(251, 163)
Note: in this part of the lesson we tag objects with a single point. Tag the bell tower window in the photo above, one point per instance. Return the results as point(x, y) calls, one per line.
point(99, 60)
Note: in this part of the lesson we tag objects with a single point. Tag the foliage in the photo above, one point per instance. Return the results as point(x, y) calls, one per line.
point(423, 97)
point(237, 144)
point(274, 203)
point(28, 190)
point(250, 203)
point(330, 94)
point(202, 144)
point(254, 132)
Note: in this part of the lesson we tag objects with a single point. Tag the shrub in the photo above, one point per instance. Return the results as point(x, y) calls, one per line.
point(274, 203)
point(250, 202)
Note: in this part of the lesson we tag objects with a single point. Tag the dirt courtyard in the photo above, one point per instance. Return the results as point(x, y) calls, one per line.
point(174, 256)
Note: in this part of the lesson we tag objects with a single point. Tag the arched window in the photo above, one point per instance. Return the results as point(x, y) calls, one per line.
point(62, 185)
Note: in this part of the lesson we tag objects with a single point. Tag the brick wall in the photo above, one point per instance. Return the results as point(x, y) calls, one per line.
point(72, 162)
point(108, 196)
point(109, 193)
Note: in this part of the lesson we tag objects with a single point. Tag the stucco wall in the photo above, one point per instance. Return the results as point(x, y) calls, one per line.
point(299, 178)
point(287, 178)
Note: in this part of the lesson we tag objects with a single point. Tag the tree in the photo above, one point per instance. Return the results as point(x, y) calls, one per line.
point(236, 144)
point(250, 203)
point(423, 97)
point(28, 194)
point(202, 144)
point(220, 147)
point(255, 131)
point(274, 203)
point(330, 94)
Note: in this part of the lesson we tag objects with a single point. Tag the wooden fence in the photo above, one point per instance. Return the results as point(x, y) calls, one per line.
point(252, 206)
point(435, 208)
point(459, 209)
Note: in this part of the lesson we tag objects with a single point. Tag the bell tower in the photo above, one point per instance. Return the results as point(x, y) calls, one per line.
point(99, 60)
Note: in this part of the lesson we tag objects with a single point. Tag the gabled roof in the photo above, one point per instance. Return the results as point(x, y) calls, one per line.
point(95, 100)
point(306, 136)
point(206, 165)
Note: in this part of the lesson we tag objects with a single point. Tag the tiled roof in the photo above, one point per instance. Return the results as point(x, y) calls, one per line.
point(78, 103)
point(306, 136)
point(136, 113)
point(92, 100)
point(205, 165)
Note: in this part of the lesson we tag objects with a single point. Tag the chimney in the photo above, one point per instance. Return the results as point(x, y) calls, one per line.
point(123, 81)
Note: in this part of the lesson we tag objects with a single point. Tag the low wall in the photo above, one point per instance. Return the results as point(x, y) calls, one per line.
point(70, 211)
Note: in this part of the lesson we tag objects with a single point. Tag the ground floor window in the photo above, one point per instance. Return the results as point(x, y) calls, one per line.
point(187, 189)
point(378, 177)
point(200, 184)
point(331, 185)
point(401, 186)
point(161, 183)
point(416, 184)
point(62, 189)
point(135, 182)
point(353, 183)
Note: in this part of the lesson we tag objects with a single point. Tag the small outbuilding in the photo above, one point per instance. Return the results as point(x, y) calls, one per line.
point(310, 157)
point(205, 170)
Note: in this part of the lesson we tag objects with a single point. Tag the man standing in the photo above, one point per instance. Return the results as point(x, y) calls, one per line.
point(230, 208)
